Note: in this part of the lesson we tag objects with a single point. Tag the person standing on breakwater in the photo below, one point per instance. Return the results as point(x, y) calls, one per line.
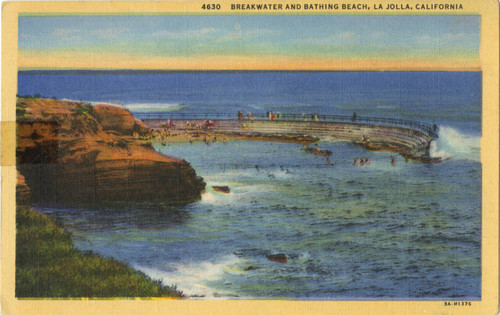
point(241, 116)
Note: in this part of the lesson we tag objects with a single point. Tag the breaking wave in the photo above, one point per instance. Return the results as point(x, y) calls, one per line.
point(154, 107)
point(456, 145)
point(194, 279)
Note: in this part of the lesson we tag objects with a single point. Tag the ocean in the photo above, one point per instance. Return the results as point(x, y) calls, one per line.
point(412, 231)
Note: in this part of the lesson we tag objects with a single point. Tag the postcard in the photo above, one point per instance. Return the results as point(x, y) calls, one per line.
point(239, 157)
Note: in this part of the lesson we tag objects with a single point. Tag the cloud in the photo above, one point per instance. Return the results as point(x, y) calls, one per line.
point(247, 34)
point(332, 39)
point(377, 35)
point(111, 32)
point(206, 31)
point(447, 37)
point(213, 33)
point(65, 32)
point(425, 38)
point(454, 36)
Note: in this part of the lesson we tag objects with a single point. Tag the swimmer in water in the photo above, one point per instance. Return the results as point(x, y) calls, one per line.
point(367, 161)
point(355, 162)
point(362, 161)
point(393, 161)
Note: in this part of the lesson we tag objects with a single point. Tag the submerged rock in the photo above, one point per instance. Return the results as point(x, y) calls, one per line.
point(281, 258)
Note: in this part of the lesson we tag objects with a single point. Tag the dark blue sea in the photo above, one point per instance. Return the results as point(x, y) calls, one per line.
point(410, 231)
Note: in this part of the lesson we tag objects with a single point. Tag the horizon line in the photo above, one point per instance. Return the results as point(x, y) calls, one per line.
point(444, 69)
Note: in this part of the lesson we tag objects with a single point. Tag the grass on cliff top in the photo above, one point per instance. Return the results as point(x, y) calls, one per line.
point(47, 265)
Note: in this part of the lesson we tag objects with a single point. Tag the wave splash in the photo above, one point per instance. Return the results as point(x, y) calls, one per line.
point(154, 107)
point(194, 279)
point(453, 144)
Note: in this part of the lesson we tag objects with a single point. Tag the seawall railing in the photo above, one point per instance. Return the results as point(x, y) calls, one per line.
point(431, 130)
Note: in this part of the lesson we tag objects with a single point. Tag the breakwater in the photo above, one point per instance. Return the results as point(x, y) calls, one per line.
point(410, 140)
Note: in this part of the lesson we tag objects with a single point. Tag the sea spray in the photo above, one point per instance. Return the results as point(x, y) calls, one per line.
point(198, 279)
point(154, 107)
point(456, 145)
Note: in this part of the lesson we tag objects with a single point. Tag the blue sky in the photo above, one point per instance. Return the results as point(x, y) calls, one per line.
point(359, 37)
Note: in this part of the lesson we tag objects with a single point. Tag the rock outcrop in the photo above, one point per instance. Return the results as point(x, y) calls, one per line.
point(118, 119)
point(72, 153)
point(23, 196)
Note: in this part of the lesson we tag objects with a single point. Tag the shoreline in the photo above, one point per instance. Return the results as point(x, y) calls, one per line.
point(73, 153)
point(49, 266)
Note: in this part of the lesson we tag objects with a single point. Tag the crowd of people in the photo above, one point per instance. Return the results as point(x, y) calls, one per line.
point(273, 116)
point(209, 139)
point(277, 116)
point(161, 135)
point(362, 161)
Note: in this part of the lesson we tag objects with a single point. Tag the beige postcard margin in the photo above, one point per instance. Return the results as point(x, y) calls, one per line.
point(489, 61)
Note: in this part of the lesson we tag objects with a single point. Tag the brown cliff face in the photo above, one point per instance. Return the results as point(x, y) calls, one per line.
point(68, 157)
point(118, 119)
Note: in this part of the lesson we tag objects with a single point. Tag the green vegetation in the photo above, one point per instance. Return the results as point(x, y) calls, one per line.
point(21, 108)
point(20, 111)
point(47, 265)
point(85, 109)
point(30, 97)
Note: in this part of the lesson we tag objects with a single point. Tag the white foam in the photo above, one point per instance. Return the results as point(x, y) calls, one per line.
point(153, 107)
point(212, 198)
point(454, 144)
point(194, 278)
point(252, 173)
point(93, 103)
point(238, 191)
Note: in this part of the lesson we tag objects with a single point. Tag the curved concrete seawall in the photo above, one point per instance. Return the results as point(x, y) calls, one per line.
point(406, 141)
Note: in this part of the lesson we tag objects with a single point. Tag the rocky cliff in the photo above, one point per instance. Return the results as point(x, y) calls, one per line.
point(72, 153)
